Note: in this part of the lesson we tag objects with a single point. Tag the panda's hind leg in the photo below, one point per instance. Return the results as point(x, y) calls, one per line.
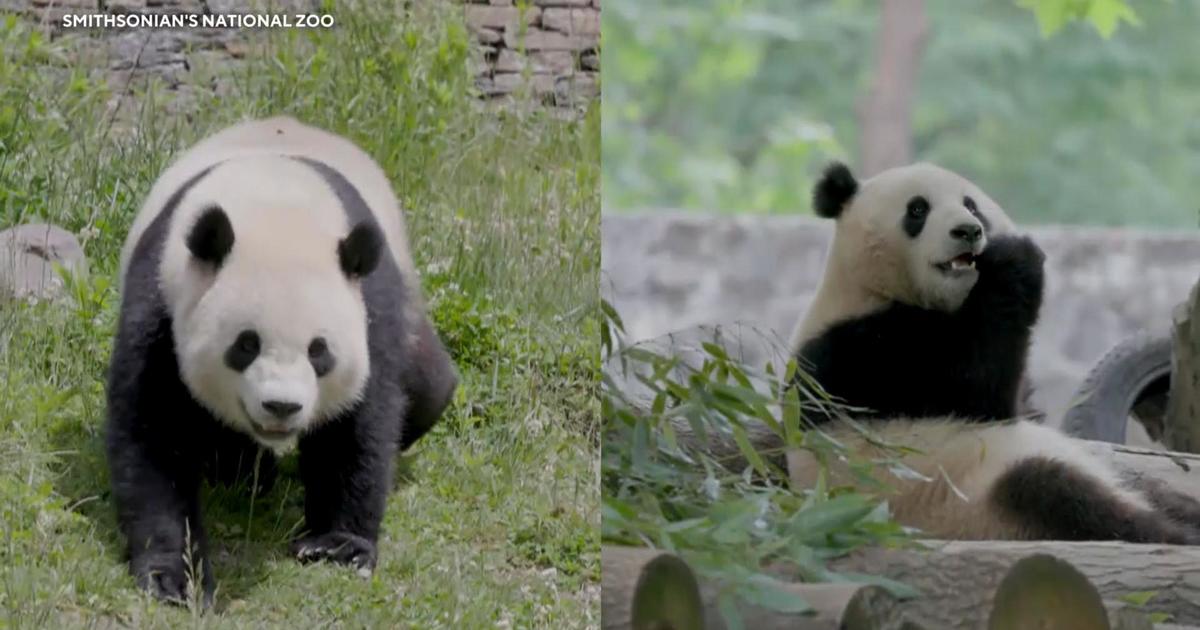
point(429, 379)
point(1180, 507)
point(1056, 501)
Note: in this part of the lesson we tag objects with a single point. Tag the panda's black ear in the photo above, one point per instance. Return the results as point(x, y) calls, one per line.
point(360, 251)
point(211, 237)
point(836, 187)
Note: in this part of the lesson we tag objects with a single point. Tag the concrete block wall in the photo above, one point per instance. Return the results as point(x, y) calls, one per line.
point(670, 271)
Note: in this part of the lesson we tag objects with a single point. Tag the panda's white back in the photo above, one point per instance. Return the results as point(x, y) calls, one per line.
point(281, 136)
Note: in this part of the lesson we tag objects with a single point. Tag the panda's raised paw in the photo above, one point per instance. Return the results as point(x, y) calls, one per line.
point(339, 547)
point(1010, 249)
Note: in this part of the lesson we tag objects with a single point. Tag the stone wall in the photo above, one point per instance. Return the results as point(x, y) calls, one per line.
point(170, 56)
point(550, 45)
point(666, 272)
point(560, 43)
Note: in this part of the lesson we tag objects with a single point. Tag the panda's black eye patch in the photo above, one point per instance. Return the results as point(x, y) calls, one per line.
point(243, 351)
point(319, 356)
point(971, 207)
point(918, 206)
point(914, 216)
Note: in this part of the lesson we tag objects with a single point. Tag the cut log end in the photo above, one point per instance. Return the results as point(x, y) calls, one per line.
point(646, 588)
point(1041, 591)
point(667, 597)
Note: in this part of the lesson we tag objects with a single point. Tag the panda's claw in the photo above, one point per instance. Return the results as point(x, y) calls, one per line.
point(165, 578)
point(338, 547)
point(166, 586)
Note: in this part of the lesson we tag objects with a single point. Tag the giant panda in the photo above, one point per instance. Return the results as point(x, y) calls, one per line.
point(269, 303)
point(921, 325)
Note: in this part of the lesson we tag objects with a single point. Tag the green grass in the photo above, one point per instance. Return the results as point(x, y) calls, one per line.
point(494, 520)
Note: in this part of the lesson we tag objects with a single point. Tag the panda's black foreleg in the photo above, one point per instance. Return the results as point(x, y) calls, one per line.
point(158, 509)
point(153, 467)
point(1054, 501)
point(346, 466)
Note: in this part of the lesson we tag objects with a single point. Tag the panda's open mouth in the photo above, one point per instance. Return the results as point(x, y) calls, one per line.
point(960, 263)
point(271, 434)
point(265, 432)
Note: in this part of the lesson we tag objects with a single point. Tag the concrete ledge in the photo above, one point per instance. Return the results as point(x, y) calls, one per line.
point(668, 271)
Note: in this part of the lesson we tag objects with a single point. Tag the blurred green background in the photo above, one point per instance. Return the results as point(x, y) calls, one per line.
point(734, 105)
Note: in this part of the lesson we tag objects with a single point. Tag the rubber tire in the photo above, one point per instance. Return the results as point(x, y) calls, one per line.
point(1100, 408)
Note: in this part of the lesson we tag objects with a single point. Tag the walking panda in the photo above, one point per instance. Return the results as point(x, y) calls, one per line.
point(923, 319)
point(268, 301)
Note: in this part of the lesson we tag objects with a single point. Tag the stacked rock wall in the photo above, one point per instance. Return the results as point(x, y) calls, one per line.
point(550, 45)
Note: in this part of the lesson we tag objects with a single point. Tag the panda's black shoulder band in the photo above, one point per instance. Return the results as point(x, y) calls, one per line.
point(836, 186)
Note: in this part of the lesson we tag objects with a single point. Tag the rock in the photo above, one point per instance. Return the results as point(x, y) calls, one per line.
point(572, 21)
point(540, 39)
point(483, 16)
point(554, 40)
point(557, 62)
point(27, 257)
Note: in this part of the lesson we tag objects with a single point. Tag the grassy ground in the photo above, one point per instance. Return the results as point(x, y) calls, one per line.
point(494, 520)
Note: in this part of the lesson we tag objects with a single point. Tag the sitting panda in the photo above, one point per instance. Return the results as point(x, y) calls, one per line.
point(268, 301)
point(923, 320)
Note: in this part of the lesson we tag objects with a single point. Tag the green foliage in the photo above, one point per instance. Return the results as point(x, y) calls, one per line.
point(735, 106)
point(1139, 599)
point(495, 518)
point(683, 123)
point(663, 486)
point(474, 328)
point(1105, 15)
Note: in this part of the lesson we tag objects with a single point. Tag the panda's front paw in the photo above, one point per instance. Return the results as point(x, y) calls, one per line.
point(1011, 282)
point(339, 547)
point(165, 576)
point(1011, 250)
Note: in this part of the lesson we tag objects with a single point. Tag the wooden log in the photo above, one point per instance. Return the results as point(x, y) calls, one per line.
point(958, 579)
point(1182, 422)
point(1126, 618)
point(648, 589)
point(631, 600)
point(1041, 591)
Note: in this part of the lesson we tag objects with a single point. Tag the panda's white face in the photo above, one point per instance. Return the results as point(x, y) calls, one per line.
point(273, 353)
point(913, 234)
point(269, 319)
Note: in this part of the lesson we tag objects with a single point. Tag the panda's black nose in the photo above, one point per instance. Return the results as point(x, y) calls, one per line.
point(969, 232)
point(281, 409)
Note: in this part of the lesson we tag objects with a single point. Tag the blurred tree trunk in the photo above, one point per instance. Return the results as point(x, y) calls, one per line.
point(1182, 422)
point(885, 114)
